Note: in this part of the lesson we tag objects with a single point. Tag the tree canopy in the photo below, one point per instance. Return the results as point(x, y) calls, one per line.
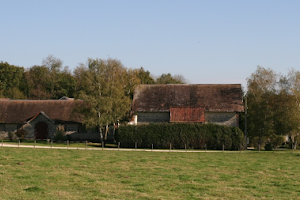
point(273, 104)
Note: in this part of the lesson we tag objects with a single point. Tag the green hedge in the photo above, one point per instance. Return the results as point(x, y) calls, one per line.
point(194, 136)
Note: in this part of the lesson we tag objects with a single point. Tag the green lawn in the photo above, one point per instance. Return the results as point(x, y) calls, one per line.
point(27, 173)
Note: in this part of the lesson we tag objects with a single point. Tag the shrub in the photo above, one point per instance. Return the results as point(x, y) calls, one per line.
point(21, 133)
point(11, 136)
point(276, 140)
point(60, 135)
point(193, 135)
point(268, 147)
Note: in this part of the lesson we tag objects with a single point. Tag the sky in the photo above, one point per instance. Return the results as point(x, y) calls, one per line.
point(206, 41)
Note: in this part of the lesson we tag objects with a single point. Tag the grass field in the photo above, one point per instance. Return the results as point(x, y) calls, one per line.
point(27, 173)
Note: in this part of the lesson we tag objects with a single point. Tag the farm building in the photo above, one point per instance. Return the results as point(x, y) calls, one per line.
point(42, 118)
point(203, 103)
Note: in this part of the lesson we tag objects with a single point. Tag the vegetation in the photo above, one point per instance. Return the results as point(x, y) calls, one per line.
point(75, 174)
point(21, 134)
point(273, 106)
point(52, 81)
point(181, 135)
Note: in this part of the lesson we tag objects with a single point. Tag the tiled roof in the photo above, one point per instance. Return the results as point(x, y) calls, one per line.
point(20, 111)
point(211, 97)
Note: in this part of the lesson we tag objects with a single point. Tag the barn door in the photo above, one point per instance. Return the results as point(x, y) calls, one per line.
point(41, 130)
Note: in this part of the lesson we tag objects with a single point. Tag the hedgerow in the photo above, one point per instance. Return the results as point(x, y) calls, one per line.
point(181, 135)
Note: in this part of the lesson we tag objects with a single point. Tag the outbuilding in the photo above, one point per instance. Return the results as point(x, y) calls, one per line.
point(201, 103)
point(42, 118)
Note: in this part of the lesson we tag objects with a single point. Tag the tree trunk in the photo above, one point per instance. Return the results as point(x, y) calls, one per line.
point(106, 131)
point(101, 134)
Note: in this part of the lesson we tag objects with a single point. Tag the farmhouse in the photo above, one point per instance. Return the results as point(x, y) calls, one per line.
point(204, 103)
point(42, 118)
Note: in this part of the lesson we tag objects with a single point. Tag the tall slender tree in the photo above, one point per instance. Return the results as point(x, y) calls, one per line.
point(105, 92)
point(261, 88)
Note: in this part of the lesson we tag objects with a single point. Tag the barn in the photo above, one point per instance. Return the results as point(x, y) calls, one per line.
point(42, 118)
point(200, 103)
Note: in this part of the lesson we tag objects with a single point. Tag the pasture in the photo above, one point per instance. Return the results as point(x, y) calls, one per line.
point(27, 173)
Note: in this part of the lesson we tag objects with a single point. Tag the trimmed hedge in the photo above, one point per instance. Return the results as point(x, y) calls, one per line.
point(194, 136)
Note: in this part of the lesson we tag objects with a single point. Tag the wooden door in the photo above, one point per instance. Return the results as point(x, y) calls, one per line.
point(41, 131)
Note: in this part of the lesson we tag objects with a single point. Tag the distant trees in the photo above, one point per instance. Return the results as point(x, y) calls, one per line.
point(51, 80)
point(273, 104)
point(11, 80)
point(169, 79)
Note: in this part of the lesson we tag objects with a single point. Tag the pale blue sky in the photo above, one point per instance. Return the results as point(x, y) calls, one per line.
point(211, 41)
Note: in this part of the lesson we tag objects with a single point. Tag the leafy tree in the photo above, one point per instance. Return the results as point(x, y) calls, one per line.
point(54, 66)
point(52, 63)
point(132, 80)
point(2, 86)
point(37, 79)
point(104, 92)
point(49, 81)
point(12, 80)
point(169, 79)
point(294, 106)
point(144, 76)
point(65, 85)
point(261, 89)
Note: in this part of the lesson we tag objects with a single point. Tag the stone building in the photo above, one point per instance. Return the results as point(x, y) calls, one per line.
point(207, 103)
point(42, 118)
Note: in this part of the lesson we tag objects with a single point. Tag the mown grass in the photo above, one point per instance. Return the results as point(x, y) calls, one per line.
point(86, 174)
point(75, 144)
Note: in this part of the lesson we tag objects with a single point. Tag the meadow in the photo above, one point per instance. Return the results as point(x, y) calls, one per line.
point(28, 173)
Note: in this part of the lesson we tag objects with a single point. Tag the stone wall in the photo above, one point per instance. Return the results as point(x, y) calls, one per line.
point(6, 128)
point(222, 118)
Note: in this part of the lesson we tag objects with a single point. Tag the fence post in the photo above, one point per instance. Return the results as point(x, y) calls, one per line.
point(185, 147)
point(135, 145)
point(102, 145)
point(205, 148)
point(170, 147)
point(67, 144)
point(223, 148)
point(19, 144)
point(118, 146)
point(34, 143)
point(85, 144)
point(51, 144)
point(152, 147)
point(2, 143)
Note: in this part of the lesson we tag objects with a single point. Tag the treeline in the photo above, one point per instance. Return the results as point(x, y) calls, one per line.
point(52, 81)
point(273, 107)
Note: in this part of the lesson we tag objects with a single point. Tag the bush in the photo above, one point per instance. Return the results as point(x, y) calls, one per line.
point(21, 133)
point(276, 140)
point(194, 136)
point(60, 135)
point(11, 136)
point(268, 147)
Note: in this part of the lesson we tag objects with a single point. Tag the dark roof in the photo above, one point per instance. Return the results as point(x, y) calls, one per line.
point(211, 97)
point(20, 111)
